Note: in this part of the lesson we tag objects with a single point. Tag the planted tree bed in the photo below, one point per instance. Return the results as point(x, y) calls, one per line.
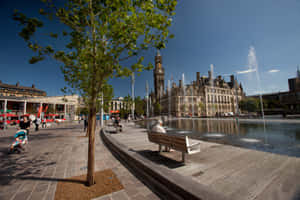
point(76, 188)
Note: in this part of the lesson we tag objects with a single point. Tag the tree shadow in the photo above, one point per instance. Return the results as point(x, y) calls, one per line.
point(40, 179)
point(60, 128)
point(22, 165)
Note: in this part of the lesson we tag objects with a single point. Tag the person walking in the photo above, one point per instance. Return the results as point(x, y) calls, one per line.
point(44, 123)
point(25, 124)
point(37, 123)
point(85, 124)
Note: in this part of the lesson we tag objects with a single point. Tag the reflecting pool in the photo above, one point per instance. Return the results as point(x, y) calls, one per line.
point(276, 137)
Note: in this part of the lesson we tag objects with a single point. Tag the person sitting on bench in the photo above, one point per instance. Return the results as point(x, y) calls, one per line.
point(158, 128)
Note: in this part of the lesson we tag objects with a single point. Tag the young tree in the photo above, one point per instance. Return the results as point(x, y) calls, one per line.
point(201, 107)
point(140, 105)
point(157, 108)
point(100, 34)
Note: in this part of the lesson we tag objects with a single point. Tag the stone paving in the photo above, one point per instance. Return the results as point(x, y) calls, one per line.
point(56, 153)
point(237, 173)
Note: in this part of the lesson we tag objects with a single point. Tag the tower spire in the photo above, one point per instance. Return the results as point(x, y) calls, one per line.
point(157, 52)
point(159, 74)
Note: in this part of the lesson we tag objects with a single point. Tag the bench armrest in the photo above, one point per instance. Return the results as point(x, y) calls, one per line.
point(194, 144)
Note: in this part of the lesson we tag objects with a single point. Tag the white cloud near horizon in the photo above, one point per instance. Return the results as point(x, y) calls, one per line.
point(246, 71)
point(273, 70)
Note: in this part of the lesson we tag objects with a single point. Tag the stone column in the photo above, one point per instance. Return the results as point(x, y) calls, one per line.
point(65, 108)
point(25, 104)
point(41, 105)
point(5, 109)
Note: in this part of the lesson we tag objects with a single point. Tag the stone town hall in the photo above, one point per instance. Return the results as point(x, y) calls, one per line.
point(209, 96)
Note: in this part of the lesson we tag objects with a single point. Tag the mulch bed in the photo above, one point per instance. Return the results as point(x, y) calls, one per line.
point(75, 187)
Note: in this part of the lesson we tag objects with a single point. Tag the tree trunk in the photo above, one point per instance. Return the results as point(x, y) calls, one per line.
point(91, 150)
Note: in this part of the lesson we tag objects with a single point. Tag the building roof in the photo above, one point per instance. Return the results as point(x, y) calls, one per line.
point(17, 86)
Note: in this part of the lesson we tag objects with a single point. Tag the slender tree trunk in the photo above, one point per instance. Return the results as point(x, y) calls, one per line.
point(92, 106)
point(91, 150)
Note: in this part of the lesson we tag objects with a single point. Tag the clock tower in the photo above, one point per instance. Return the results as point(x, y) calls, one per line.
point(159, 77)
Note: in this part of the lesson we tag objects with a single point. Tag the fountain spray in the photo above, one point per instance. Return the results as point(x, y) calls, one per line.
point(169, 98)
point(183, 88)
point(252, 62)
point(212, 86)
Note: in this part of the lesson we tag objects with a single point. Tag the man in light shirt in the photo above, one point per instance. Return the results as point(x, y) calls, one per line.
point(157, 128)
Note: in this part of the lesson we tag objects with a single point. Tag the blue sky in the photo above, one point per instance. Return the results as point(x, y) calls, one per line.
point(206, 32)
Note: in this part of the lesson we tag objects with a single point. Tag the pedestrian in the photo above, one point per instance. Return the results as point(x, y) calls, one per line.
point(25, 124)
point(37, 123)
point(85, 124)
point(44, 123)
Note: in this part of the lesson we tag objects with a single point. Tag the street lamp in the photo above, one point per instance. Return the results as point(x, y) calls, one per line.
point(132, 93)
point(147, 96)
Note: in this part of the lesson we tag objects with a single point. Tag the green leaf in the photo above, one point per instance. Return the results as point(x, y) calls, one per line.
point(35, 59)
point(54, 35)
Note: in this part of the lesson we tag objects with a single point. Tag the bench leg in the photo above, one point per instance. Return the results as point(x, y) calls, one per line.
point(159, 148)
point(167, 149)
point(183, 157)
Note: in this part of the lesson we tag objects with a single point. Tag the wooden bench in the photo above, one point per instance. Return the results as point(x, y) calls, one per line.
point(178, 143)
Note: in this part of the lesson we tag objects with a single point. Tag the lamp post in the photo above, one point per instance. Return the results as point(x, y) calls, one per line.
point(101, 111)
point(5, 110)
point(132, 94)
point(147, 98)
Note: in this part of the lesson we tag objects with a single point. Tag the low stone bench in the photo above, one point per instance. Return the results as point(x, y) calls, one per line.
point(178, 143)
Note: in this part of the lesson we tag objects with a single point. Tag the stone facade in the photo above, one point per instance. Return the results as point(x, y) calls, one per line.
point(205, 97)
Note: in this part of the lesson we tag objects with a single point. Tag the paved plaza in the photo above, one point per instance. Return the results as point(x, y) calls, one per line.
point(56, 153)
point(236, 173)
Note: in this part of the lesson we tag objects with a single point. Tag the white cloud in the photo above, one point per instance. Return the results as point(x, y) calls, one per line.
point(273, 70)
point(246, 71)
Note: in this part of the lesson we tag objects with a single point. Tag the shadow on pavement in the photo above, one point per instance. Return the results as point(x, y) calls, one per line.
point(155, 157)
point(39, 179)
point(112, 132)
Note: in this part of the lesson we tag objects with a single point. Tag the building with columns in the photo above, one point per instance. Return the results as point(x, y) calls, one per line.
point(206, 96)
point(64, 106)
point(116, 104)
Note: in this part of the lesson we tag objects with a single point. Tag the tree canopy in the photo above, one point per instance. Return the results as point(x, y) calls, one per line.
point(99, 35)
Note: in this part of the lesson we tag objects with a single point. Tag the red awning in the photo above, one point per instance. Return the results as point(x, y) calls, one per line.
point(114, 111)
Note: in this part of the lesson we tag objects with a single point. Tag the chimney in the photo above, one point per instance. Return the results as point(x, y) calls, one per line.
point(198, 76)
point(173, 85)
point(232, 79)
point(180, 83)
point(209, 75)
point(18, 84)
point(33, 86)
